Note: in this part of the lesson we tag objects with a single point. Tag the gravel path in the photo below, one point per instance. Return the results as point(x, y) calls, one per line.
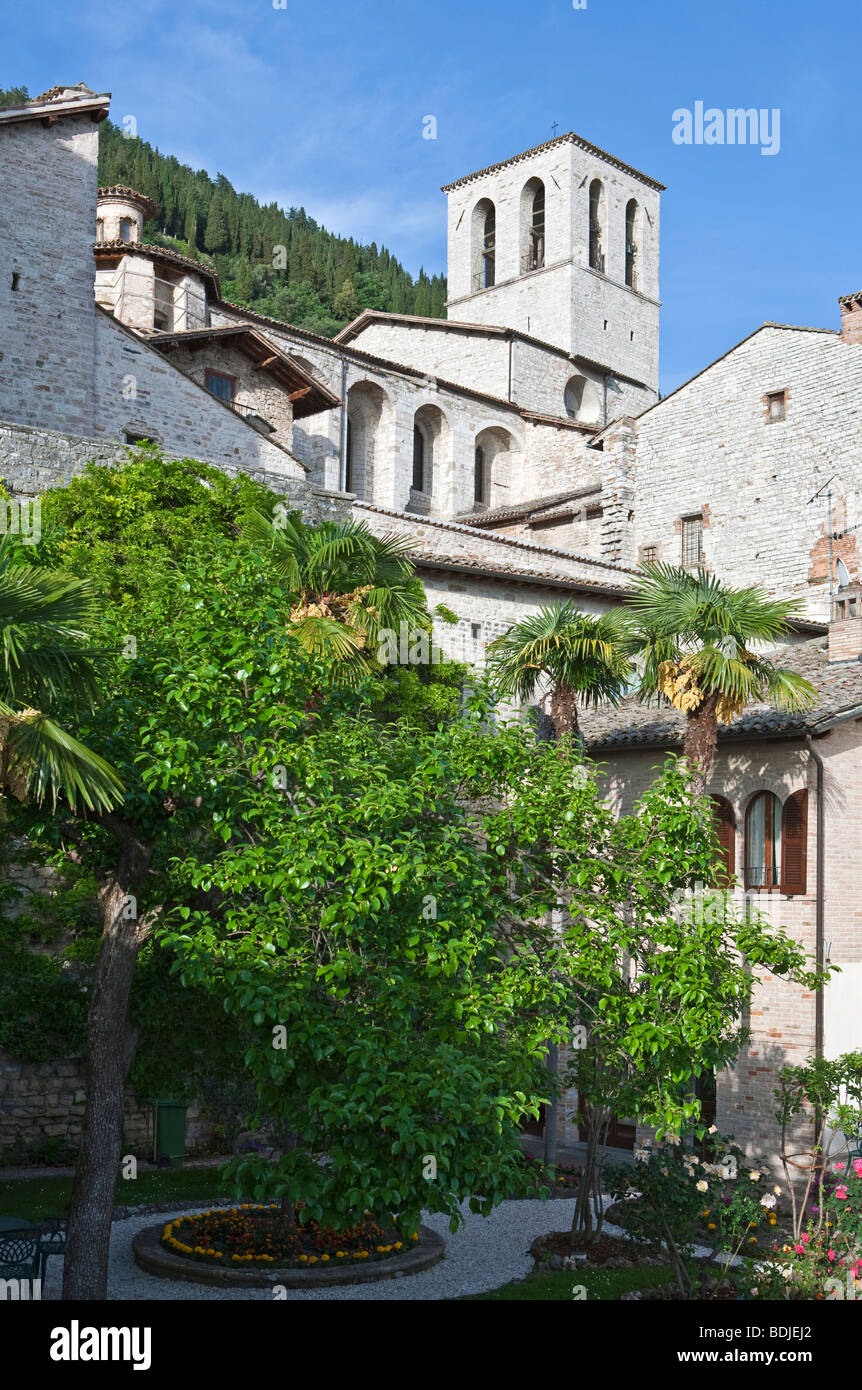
point(487, 1252)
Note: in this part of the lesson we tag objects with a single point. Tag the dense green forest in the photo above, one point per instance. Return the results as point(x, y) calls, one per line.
point(317, 281)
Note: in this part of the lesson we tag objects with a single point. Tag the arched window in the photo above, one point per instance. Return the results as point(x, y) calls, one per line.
point(484, 245)
point(776, 840)
point(532, 226)
point(100, 229)
point(480, 478)
point(633, 250)
point(597, 226)
point(125, 229)
point(419, 449)
point(725, 829)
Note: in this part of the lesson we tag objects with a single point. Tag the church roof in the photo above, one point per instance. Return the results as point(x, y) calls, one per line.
point(537, 508)
point(839, 686)
point(570, 138)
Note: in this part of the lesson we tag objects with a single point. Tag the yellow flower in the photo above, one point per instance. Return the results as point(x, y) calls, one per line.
point(752, 1240)
point(339, 1254)
point(324, 1257)
point(398, 1245)
point(380, 1249)
point(711, 1226)
point(312, 1259)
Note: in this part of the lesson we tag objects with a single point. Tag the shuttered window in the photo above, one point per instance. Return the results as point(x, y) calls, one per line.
point(794, 843)
point(725, 829)
point(776, 842)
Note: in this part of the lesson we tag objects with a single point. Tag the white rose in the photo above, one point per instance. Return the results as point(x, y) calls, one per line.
point(702, 1186)
point(754, 1175)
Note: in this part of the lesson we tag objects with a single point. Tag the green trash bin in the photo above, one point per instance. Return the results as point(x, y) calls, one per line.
point(170, 1131)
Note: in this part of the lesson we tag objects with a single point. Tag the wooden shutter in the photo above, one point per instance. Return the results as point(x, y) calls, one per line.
point(794, 843)
point(725, 828)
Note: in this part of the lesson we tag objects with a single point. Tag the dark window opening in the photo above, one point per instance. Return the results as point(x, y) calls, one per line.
point(418, 460)
point(597, 254)
point(537, 231)
point(16, 279)
point(692, 541)
point(649, 554)
point(125, 229)
point(221, 385)
point(763, 842)
point(632, 249)
point(479, 476)
point(137, 438)
point(348, 457)
point(776, 405)
point(489, 249)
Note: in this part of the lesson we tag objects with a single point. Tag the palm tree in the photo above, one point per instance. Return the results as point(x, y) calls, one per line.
point(581, 655)
point(693, 641)
point(44, 654)
point(349, 584)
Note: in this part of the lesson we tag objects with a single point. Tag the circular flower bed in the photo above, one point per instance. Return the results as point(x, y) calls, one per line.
point(255, 1236)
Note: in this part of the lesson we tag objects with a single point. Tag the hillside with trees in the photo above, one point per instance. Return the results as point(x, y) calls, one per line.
point(280, 263)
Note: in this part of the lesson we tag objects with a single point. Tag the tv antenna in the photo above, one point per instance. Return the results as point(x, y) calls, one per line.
point(828, 488)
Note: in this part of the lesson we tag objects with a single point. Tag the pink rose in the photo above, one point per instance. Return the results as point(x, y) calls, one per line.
point(805, 1239)
point(830, 1254)
point(841, 1193)
point(800, 1249)
point(838, 1167)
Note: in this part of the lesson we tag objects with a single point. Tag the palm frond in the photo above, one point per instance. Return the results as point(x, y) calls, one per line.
point(39, 761)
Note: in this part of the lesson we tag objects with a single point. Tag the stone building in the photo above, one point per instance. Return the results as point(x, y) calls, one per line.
point(520, 443)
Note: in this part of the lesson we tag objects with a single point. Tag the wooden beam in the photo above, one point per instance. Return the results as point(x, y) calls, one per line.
point(267, 362)
point(296, 395)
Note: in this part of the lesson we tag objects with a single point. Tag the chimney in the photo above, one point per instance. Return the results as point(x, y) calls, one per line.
point(845, 630)
point(851, 317)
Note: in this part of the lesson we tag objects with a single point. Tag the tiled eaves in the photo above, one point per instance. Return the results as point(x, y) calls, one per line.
point(535, 506)
point(158, 253)
point(512, 575)
point(514, 541)
point(570, 138)
point(839, 686)
point(131, 195)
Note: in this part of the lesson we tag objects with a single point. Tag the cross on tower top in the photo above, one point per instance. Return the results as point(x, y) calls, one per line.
point(554, 128)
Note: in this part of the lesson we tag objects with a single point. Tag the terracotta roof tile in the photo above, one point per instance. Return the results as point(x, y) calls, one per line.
point(839, 687)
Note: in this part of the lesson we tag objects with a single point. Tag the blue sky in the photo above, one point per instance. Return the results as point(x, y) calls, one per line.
point(322, 105)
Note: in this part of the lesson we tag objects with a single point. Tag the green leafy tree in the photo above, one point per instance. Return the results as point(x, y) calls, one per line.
point(695, 645)
point(577, 654)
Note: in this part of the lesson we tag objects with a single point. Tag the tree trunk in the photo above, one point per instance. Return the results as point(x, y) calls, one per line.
point(110, 1049)
point(701, 740)
point(564, 711)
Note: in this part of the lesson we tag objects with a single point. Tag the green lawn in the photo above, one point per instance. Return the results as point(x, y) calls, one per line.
point(35, 1198)
point(555, 1286)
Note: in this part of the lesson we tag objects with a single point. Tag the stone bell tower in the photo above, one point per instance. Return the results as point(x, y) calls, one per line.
point(561, 242)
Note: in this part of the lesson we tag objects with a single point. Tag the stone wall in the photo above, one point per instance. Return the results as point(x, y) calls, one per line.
point(255, 389)
point(140, 391)
point(47, 228)
point(709, 448)
point(41, 1101)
